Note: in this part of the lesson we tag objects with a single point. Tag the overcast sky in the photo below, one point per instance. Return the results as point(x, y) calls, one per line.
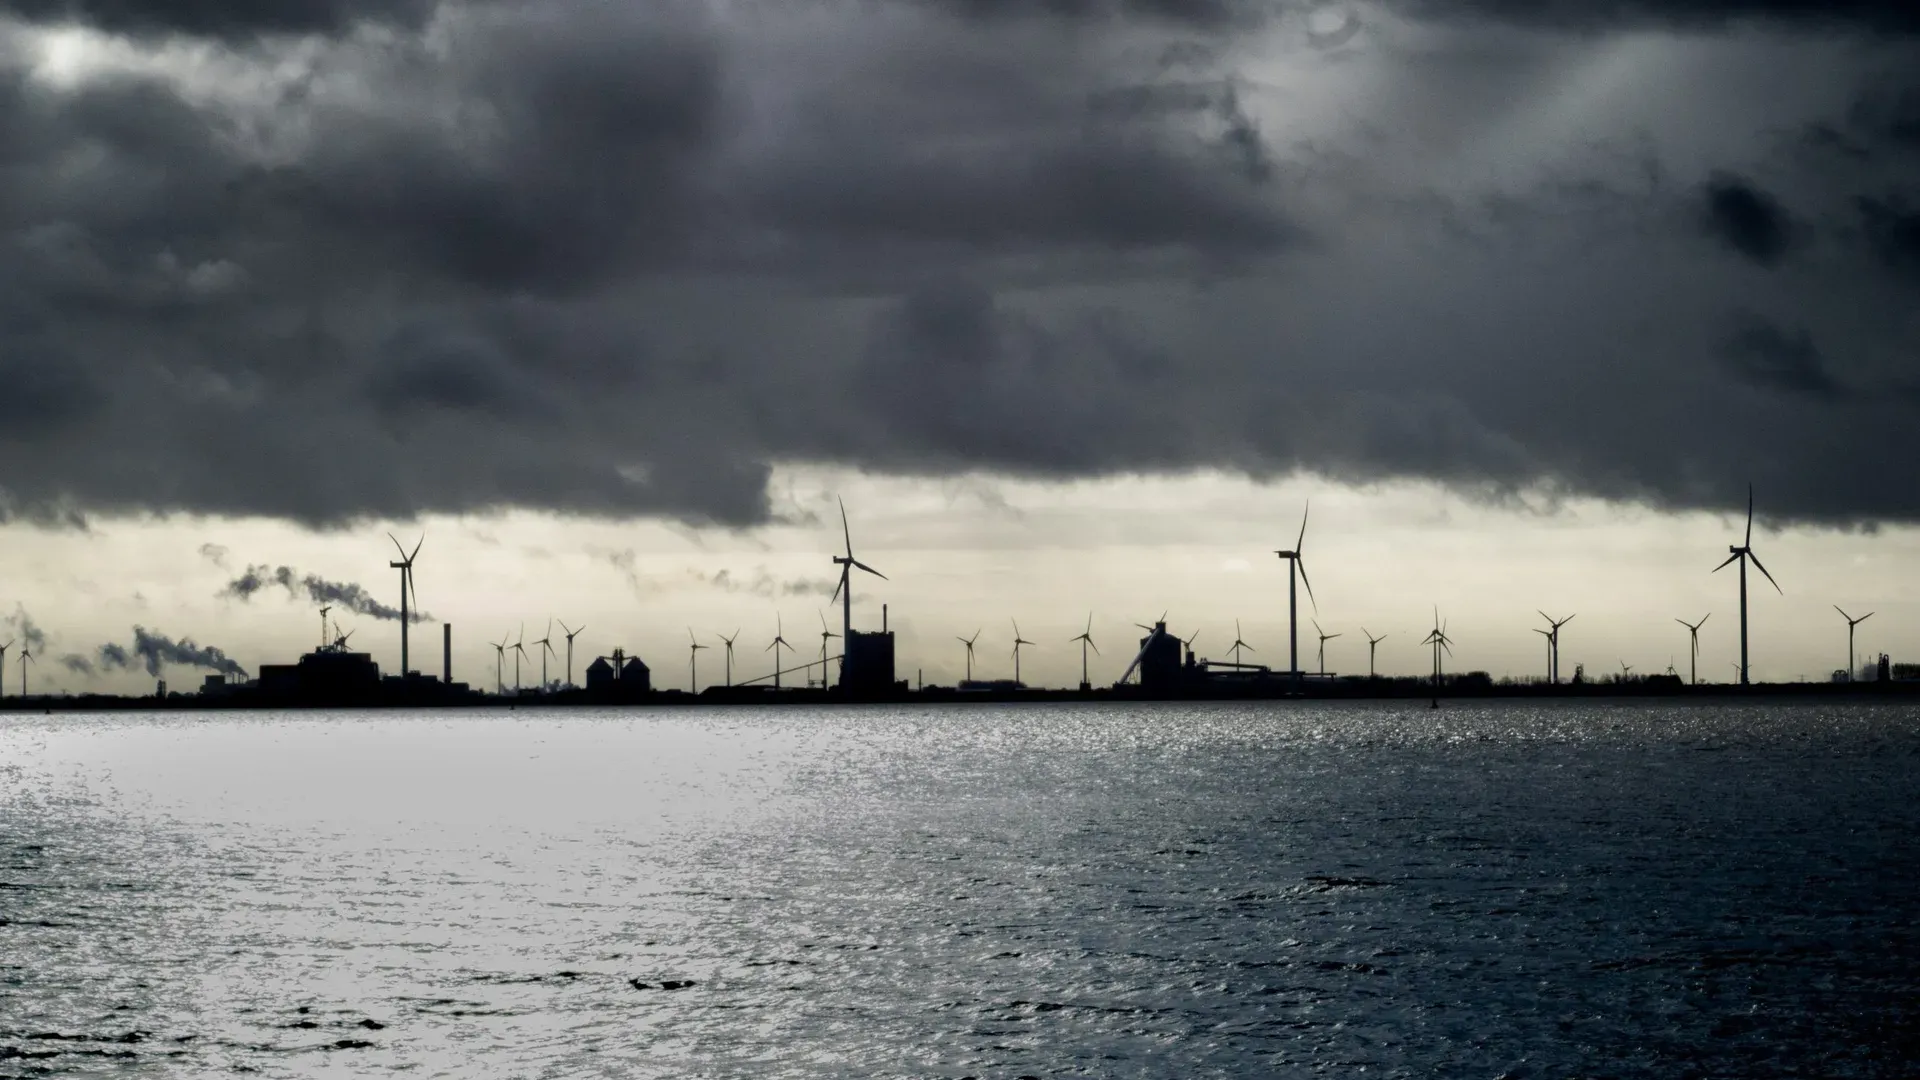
point(1076, 301)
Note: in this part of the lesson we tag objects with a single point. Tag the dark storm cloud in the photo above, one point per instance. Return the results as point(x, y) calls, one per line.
point(1746, 219)
point(1768, 357)
point(623, 259)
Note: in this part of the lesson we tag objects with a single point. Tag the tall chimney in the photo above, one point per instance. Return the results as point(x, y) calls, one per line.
point(446, 650)
point(883, 618)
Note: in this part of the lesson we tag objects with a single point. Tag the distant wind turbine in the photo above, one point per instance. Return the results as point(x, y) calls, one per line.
point(405, 566)
point(779, 642)
point(844, 590)
point(499, 662)
point(1851, 623)
point(1086, 642)
point(693, 662)
point(1017, 642)
point(1741, 554)
point(1297, 567)
point(1372, 644)
point(1440, 641)
point(571, 634)
point(1553, 643)
point(1548, 634)
point(728, 642)
point(26, 654)
point(1693, 636)
point(968, 642)
point(1626, 671)
point(826, 634)
point(519, 651)
point(1238, 644)
point(1324, 638)
point(3, 665)
point(546, 650)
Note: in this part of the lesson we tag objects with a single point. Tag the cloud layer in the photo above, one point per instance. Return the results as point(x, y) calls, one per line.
point(337, 259)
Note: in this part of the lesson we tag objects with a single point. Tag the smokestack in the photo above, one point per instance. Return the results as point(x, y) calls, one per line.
point(446, 653)
point(883, 618)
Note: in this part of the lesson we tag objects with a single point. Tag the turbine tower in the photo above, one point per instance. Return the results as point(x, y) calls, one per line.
point(693, 662)
point(1548, 634)
point(3, 665)
point(571, 634)
point(405, 566)
point(728, 642)
point(1851, 623)
point(519, 651)
point(1324, 638)
point(1086, 642)
point(546, 650)
point(844, 590)
point(825, 635)
point(968, 642)
point(1238, 644)
point(779, 642)
point(26, 654)
point(1297, 567)
point(1017, 642)
point(1372, 644)
point(1741, 554)
point(1553, 645)
point(1693, 633)
point(1439, 640)
point(499, 664)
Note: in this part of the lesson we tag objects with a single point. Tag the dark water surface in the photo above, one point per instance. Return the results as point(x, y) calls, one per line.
point(1162, 891)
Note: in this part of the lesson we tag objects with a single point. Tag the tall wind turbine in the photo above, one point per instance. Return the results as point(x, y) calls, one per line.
point(779, 642)
point(693, 662)
point(968, 642)
point(844, 590)
point(1238, 644)
point(1548, 634)
point(1372, 644)
point(1693, 633)
point(1296, 567)
point(1324, 638)
point(499, 662)
point(26, 654)
point(1741, 554)
point(1851, 623)
point(571, 634)
point(825, 635)
point(3, 666)
point(405, 566)
point(1086, 641)
point(519, 651)
point(728, 642)
point(1553, 645)
point(1017, 642)
point(546, 649)
point(1439, 640)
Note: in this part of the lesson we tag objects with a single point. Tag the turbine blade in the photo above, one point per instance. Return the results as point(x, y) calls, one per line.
point(844, 529)
point(1843, 613)
point(1308, 582)
point(840, 585)
point(1864, 618)
point(416, 547)
point(1704, 618)
point(398, 547)
point(871, 570)
point(1304, 510)
point(1749, 542)
point(1728, 563)
point(1763, 570)
point(1091, 645)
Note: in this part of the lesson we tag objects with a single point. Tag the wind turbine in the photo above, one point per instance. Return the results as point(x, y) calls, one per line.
point(1439, 640)
point(405, 566)
point(779, 642)
point(825, 634)
point(519, 650)
point(728, 642)
point(1741, 554)
point(1017, 642)
point(844, 591)
point(1851, 623)
point(1693, 633)
point(693, 662)
point(26, 654)
point(1372, 644)
point(1086, 642)
point(1238, 644)
point(1324, 638)
point(571, 634)
point(968, 642)
point(1548, 634)
point(1626, 671)
point(3, 665)
point(1553, 641)
point(499, 662)
point(546, 650)
point(1295, 564)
